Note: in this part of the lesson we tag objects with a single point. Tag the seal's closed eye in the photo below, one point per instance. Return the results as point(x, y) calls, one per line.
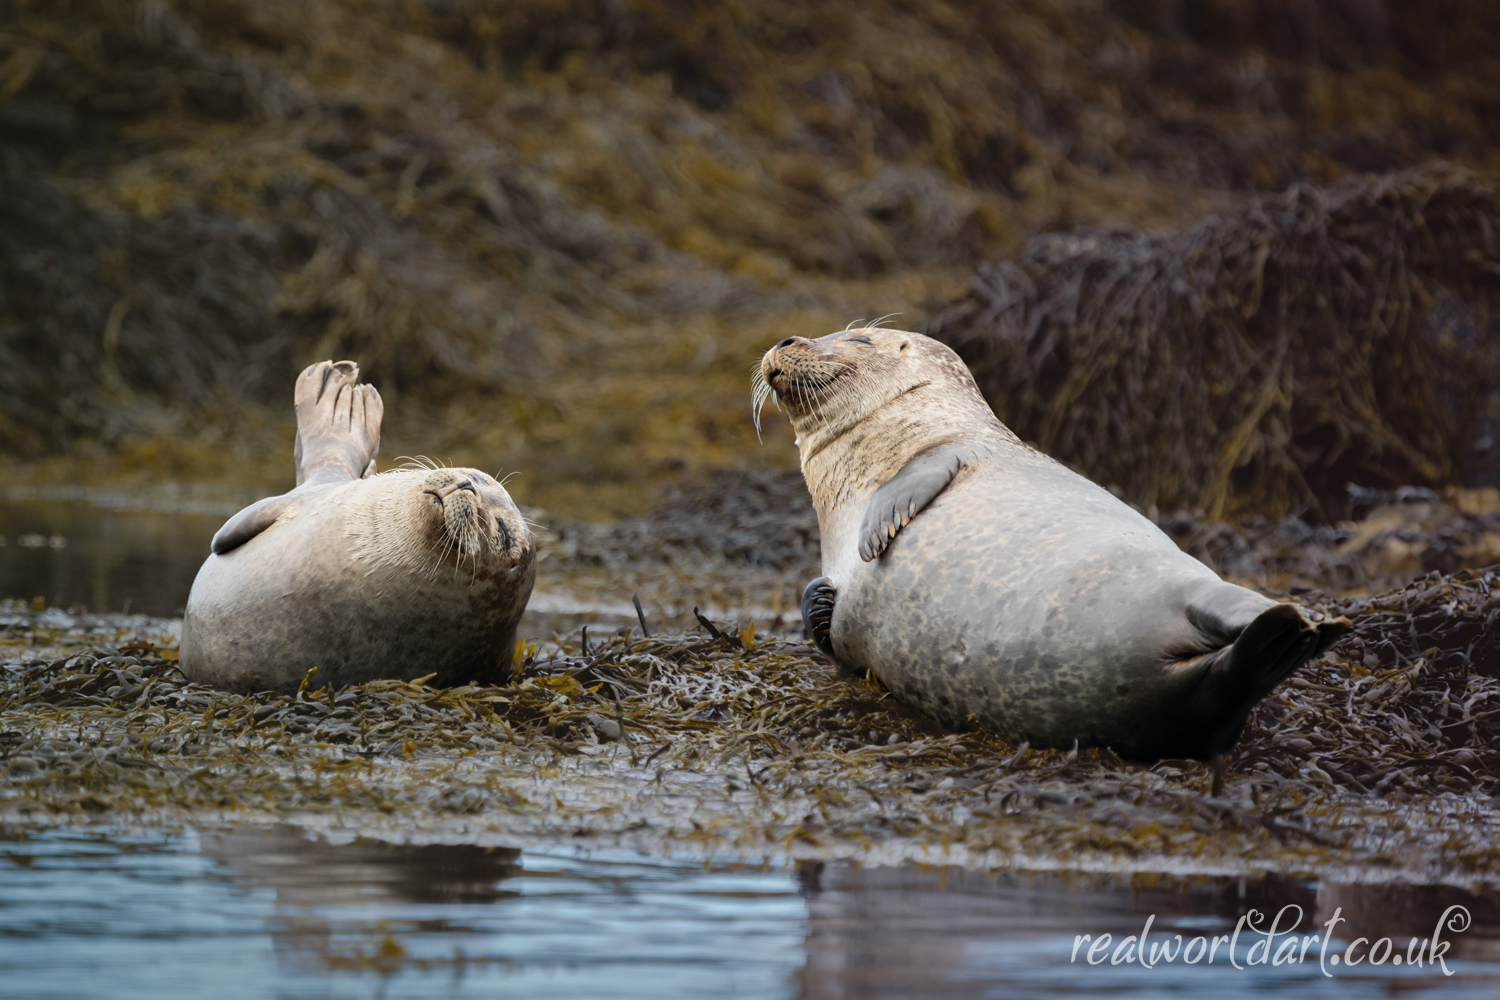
point(861, 340)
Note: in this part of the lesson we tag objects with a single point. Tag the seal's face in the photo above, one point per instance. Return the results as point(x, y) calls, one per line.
point(479, 522)
point(832, 383)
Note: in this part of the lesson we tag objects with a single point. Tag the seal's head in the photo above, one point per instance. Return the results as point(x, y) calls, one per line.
point(472, 520)
point(435, 523)
point(831, 384)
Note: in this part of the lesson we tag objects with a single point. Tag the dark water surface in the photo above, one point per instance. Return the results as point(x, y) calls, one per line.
point(269, 912)
point(107, 552)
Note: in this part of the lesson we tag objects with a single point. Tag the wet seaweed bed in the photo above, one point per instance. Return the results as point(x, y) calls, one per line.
point(1380, 761)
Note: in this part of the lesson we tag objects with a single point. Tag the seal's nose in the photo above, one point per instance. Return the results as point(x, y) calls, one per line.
point(439, 493)
point(788, 342)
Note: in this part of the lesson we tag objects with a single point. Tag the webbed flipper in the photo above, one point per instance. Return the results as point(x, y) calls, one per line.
point(1259, 656)
point(338, 424)
point(905, 495)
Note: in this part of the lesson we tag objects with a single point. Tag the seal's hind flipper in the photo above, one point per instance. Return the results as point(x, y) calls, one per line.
point(1265, 652)
point(817, 614)
point(338, 424)
point(905, 495)
point(249, 522)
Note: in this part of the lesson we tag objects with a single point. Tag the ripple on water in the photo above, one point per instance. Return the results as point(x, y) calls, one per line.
point(268, 911)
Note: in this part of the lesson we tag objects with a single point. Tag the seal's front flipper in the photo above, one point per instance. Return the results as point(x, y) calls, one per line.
point(817, 614)
point(904, 496)
point(249, 522)
point(338, 424)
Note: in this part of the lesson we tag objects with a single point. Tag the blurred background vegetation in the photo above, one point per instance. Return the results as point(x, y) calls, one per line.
point(557, 233)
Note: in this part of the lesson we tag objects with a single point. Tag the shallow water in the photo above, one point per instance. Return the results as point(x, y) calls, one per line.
point(269, 912)
point(106, 558)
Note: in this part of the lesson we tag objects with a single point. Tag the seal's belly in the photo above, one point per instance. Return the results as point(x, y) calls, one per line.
point(1043, 608)
point(263, 615)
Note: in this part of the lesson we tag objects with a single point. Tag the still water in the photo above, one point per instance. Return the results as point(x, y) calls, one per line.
point(107, 551)
point(270, 912)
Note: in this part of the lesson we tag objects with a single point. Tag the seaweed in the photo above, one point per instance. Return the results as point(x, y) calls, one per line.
point(1262, 359)
point(1384, 755)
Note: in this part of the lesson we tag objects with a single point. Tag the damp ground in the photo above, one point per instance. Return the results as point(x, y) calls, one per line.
point(659, 773)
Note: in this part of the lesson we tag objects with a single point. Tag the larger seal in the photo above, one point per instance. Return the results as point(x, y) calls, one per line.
point(982, 581)
point(356, 575)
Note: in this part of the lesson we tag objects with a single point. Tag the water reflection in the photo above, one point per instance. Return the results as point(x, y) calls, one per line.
point(144, 916)
point(105, 558)
point(262, 912)
point(319, 891)
point(955, 935)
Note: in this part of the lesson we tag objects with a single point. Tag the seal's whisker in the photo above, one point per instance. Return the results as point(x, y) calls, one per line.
point(759, 390)
point(851, 325)
point(882, 319)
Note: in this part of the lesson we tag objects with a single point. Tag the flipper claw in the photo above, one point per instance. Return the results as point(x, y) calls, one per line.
point(817, 614)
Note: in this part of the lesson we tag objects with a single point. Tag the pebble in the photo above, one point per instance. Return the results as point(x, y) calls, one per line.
point(608, 728)
point(24, 765)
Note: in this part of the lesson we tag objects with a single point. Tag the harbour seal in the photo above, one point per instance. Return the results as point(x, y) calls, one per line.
point(981, 581)
point(362, 576)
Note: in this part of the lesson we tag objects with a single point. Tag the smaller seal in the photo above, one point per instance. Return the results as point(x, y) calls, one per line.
point(359, 576)
point(982, 581)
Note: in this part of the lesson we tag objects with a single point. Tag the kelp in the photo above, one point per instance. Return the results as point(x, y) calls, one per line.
point(1383, 757)
point(1397, 535)
point(1261, 359)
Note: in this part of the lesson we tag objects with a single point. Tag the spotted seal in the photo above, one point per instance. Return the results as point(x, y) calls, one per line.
point(360, 575)
point(982, 581)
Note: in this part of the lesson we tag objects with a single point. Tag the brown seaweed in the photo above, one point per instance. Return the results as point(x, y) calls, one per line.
point(1383, 756)
point(1259, 360)
point(560, 229)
